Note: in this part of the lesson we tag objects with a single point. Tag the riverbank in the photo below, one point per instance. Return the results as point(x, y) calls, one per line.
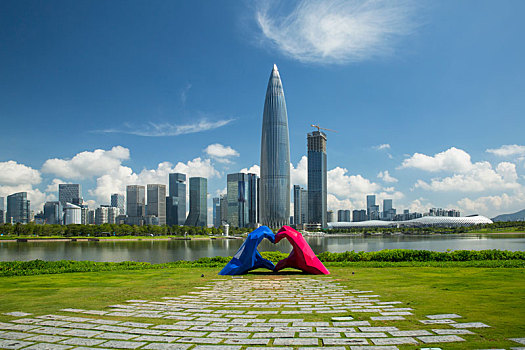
point(26, 239)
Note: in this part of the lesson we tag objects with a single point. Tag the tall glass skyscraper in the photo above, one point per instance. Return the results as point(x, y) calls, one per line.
point(69, 193)
point(117, 201)
point(275, 157)
point(317, 191)
point(157, 202)
point(198, 215)
point(136, 204)
point(18, 208)
point(242, 199)
point(176, 201)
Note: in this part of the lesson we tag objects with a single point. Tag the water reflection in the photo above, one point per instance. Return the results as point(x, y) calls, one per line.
point(166, 251)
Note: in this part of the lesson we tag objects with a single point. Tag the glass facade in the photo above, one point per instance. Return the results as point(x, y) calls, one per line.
point(136, 201)
point(53, 213)
point(317, 184)
point(242, 199)
point(18, 208)
point(157, 202)
point(69, 193)
point(117, 201)
point(274, 197)
point(198, 215)
point(176, 201)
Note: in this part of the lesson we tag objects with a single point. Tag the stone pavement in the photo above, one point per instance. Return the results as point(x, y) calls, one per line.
point(237, 313)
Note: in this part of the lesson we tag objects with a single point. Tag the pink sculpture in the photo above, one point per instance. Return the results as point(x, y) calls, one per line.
point(302, 256)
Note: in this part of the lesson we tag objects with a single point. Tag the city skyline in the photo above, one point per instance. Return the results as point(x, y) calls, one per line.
point(430, 119)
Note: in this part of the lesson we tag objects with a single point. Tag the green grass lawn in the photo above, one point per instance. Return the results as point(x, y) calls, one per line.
point(495, 296)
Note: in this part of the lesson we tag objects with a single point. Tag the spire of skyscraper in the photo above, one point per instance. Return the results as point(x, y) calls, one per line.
point(275, 156)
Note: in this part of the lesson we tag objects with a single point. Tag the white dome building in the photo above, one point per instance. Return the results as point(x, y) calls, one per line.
point(425, 221)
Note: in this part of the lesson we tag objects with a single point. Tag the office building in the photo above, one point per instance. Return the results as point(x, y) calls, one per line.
point(91, 217)
point(317, 179)
point(118, 201)
point(343, 215)
point(242, 199)
point(72, 214)
point(176, 200)
point(69, 193)
point(135, 204)
point(113, 213)
point(274, 196)
point(223, 203)
point(18, 208)
point(329, 216)
point(53, 213)
point(389, 213)
point(359, 215)
point(2, 210)
point(216, 211)
point(300, 205)
point(157, 202)
point(84, 214)
point(370, 202)
point(101, 215)
point(198, 215)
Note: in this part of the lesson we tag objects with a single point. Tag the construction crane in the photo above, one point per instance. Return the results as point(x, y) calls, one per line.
point(319, 128)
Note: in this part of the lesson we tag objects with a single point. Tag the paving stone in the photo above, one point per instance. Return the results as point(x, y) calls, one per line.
point(199, 340)
point(394, 341)
point(82, 341)
point(250, 329)
point(82, 333)
point(396, 313)
point(17, 314)
point(452, 331)
point(345, 341)
point(118, 336)
point(379, 347)
point(20, 327)
point(110, 328)
point(387, 318)
point(292, 329)
point(145, 331)
point(27, 320)
point(13, 344)
point(15, 335)
point(46, 338)
point(442, 316)
point(155, 338)
point(312, 324)
point(518, 340)
point(163, 346)
point(319, 335)
point(81, 325)
point(102, 321)
point(440, 339)
point(47, 346)
point(171, 326)
point(184, 334)
point(274, 335)
point(118, 344)
point(343, 318)
point(366, 335)
point(443, 321)
point(258, 341)
point(470, 325)
point(287, 320)
point(228, 335)
point(323, 348)
point(518, 348)
point(413, 333)
point(209, 328)
point(296, 341)
point(217, 347)
point(378, 329)
point(269, 348)
point(135, 324)
point(351, 324)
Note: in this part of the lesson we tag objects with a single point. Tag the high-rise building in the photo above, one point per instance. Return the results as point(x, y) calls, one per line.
point(317, 185)
point(330, 216)
point(157, 202)
point(91, 217)
point(53, 213)
point(2, 210)
point(223, 203)
point(216, 212)
point(84, 214)
point(359, 215)
point(370, 202)
point(242, 199)
point(136, 204)
point(101, 215)
point(118, 201)
point(69, 193)
point(198, 215)
point(300, 202)
point(389, 213)
point(72, 214)
point(343, 215)
point(274, 197)
point(176, 201)
point(18, 208)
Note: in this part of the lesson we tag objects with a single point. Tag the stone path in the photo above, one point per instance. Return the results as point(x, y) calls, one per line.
point(237, 313)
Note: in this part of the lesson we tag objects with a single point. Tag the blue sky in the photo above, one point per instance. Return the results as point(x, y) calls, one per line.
point(427, 97)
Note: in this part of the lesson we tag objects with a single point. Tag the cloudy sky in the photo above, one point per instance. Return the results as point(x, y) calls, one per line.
point(427, 97)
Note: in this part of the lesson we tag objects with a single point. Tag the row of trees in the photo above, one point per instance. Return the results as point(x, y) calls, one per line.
point(32, 229)
point(506, 226)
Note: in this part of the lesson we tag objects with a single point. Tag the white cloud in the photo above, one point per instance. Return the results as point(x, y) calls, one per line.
point(480, 177)
point(453, 159)
point(36, 197)
point(299, 175)
point(168, 129)
point(337, 31)
point(220, 153)
point(254, 169)
point(508, 150)
point(335, 204)
point(13, 173)
point(53, 186)
point(353, 187)
point(382, 146)
point(184, 94)
point(87, 164)
point(491, 206)
point(385, 176)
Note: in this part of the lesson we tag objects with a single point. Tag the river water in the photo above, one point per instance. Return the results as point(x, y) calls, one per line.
point(167, 251)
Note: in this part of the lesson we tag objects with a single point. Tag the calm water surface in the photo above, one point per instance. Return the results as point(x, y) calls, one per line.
point(166, 251)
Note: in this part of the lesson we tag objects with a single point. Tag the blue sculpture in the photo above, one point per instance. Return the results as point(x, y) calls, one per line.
point(247, 257)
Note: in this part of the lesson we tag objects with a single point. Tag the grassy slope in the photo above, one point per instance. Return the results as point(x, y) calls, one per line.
point(493, 296)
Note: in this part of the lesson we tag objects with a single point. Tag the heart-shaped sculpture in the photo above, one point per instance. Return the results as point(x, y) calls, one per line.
point(247, 257)
point(302, 256)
